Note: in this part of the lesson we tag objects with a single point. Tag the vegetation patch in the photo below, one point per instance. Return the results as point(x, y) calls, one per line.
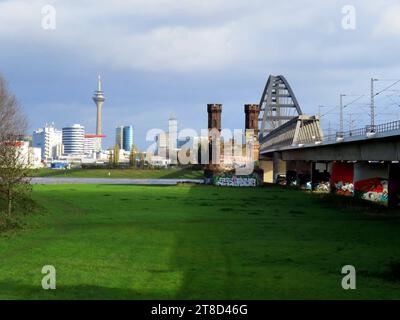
point(177, 247)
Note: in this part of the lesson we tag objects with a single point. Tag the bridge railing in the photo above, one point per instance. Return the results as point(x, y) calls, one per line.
point(390, 126)
point(359, 132)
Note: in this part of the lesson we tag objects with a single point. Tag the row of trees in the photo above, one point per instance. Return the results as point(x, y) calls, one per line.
point(14, 165)
point(114, 157)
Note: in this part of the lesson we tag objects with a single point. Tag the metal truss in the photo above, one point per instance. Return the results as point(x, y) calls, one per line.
point(278, 104)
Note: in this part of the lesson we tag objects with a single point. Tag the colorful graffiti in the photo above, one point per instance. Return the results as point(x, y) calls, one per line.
point(344, 188)
point(342, 178)
point(375, 189)
point(322, 187)
point(230, 180)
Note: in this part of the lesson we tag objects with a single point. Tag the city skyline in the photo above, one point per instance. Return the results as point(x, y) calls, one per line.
point(154, 63)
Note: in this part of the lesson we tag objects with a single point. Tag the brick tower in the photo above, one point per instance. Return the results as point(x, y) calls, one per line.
point(214, 123)
point(214, 116)
point(252, 112)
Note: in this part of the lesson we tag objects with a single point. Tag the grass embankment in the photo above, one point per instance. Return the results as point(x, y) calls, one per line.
point(129, 173)
point(203, 242)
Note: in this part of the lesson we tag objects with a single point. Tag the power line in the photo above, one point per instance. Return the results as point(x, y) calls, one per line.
point(392, 85)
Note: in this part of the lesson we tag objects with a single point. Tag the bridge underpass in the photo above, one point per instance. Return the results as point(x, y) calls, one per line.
point(362, 162)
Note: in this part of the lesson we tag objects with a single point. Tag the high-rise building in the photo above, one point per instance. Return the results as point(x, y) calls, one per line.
point(124, 137)
point(162, 144)
point(99, 99)
point(127, 138)
point(73, 139)
point(49, 140)
point(119, 137)
point(89, 145)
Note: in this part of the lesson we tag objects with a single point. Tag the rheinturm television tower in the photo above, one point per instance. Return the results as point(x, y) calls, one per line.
point(98, 99)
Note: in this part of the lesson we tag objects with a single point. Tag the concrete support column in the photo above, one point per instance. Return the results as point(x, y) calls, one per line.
point(279, 166)
point(394, 185)
point(268, 168)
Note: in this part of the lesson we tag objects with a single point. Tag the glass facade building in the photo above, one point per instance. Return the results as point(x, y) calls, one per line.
point(127, 140)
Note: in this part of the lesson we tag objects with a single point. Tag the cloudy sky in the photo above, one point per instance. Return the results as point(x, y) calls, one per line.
point(163, 57)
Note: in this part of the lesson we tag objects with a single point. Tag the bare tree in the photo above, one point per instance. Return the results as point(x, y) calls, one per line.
point(14, 160)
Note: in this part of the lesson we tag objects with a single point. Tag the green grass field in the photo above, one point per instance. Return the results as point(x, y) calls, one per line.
point(197, 242)
point(171, 173)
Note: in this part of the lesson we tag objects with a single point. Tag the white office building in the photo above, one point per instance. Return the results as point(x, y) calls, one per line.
point(49, 140)
point(89, 145)
point(29, 156)
point(73, 139)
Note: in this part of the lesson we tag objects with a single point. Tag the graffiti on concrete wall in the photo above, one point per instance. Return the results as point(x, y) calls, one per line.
point(230, 180)
point(375, 189)
point(342, 178)
point(344, 188)
point(371, 182)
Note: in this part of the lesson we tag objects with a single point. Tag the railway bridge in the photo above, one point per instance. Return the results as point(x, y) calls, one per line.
point(293, 149)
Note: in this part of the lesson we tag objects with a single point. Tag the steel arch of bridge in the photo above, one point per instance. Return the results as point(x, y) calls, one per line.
point(278, 104)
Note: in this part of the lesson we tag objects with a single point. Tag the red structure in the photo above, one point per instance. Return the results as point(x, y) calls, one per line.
point(91, 136)
point(342, 178)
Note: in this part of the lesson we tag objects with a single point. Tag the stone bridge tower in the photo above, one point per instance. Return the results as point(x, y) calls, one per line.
point(252, 112)
point(214, 116)
point(214, 129)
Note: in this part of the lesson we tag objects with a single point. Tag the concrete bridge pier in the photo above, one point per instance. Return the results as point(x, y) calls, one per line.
point(279, 167)
point(267, 166)
point(394, 185)
point(273, 167)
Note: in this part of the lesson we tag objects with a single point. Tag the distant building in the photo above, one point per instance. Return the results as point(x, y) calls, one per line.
point(157, 161)
point(128, 138)
point(124, 137)
point(89, 145)
point(29, 156)
point(49, 140)
point(73, 139)
point(162, 144)
point(119, 137)
point(168, 144)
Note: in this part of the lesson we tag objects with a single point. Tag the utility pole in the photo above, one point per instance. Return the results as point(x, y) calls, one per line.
point(341, 113)
point(350, 122)
point(329, 128)
point(372, 105)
